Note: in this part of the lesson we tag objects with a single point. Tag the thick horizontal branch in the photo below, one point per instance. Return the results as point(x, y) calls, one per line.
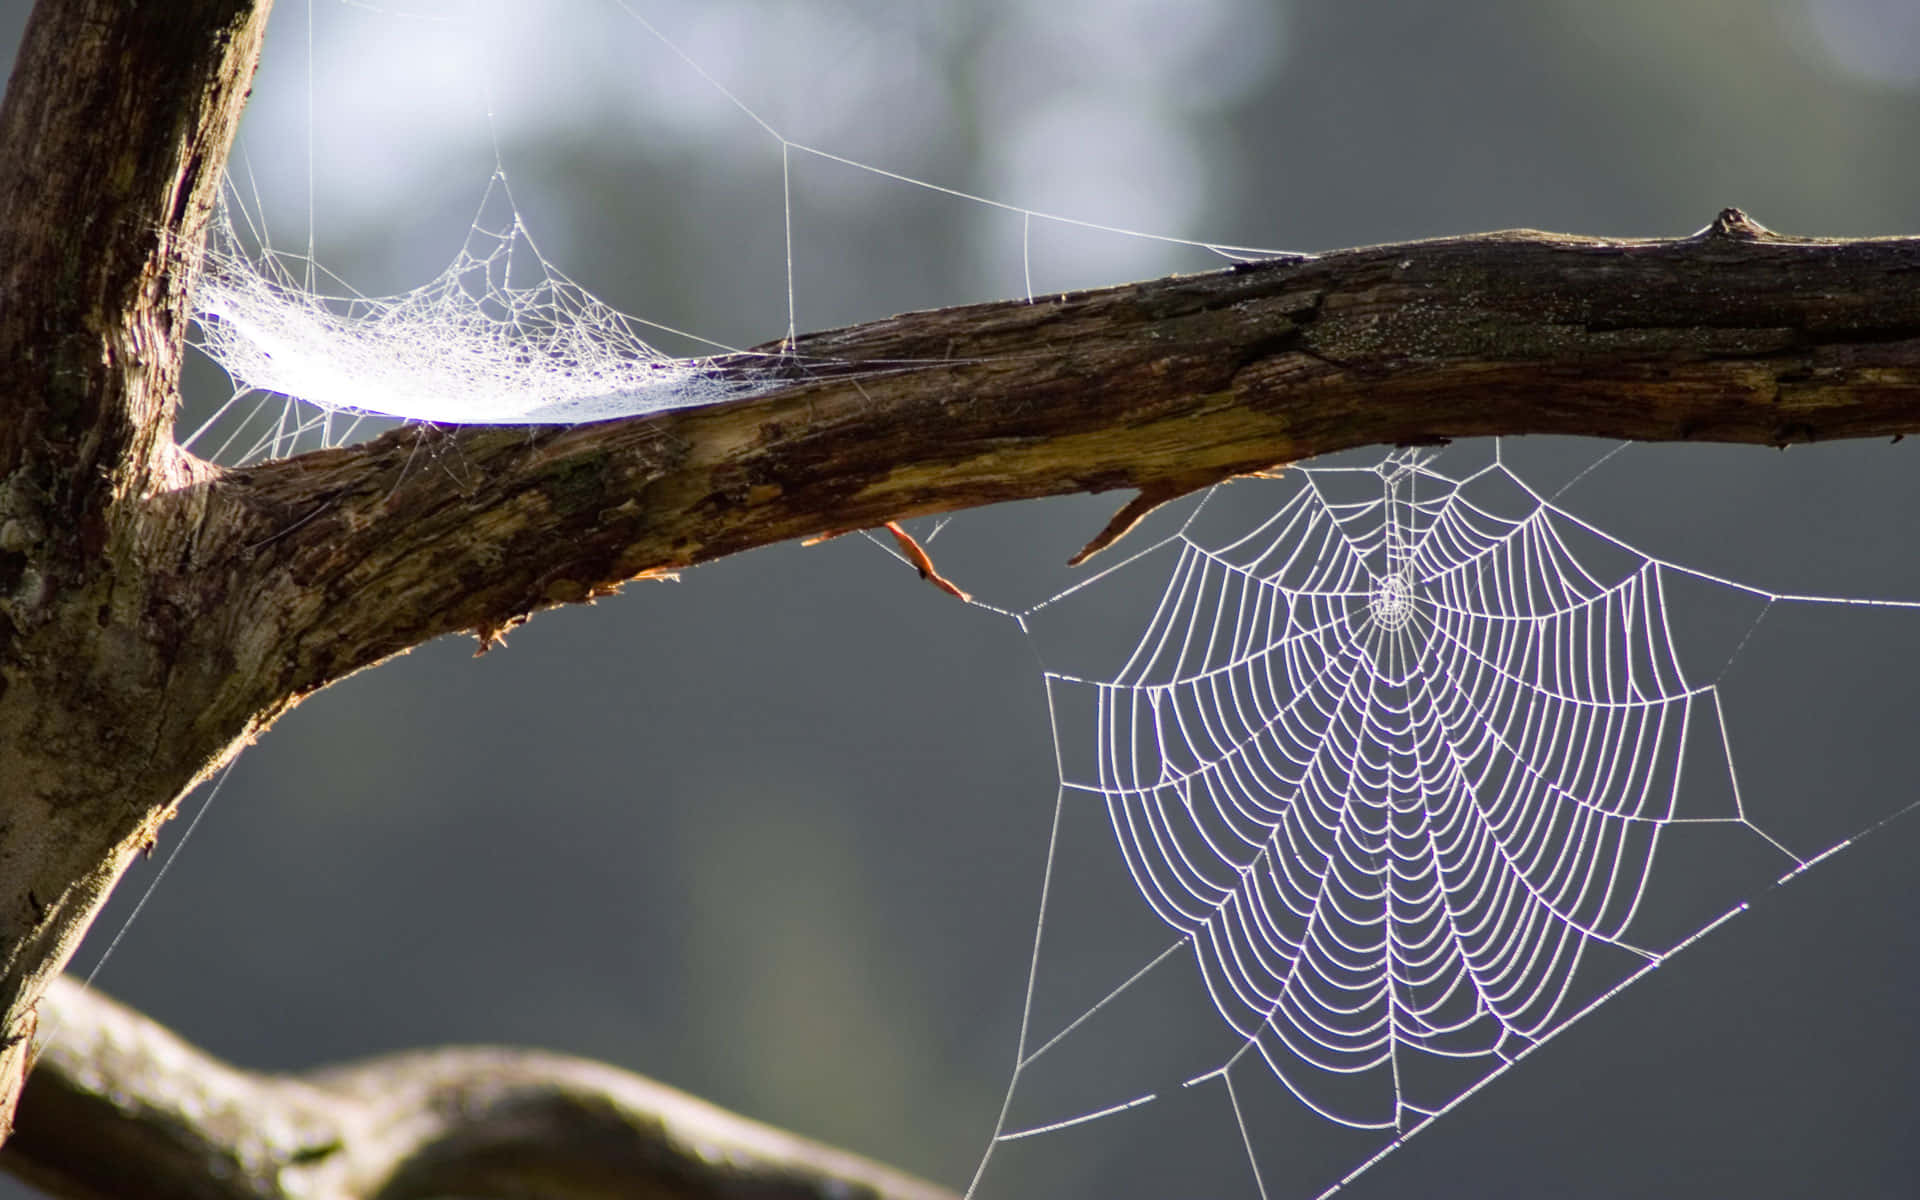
point(1734, 334)
point(119, 1107)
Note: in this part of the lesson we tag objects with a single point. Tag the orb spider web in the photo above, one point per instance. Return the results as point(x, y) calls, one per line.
point(1400, 768)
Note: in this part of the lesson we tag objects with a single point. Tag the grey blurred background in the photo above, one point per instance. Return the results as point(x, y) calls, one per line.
point(775, 834)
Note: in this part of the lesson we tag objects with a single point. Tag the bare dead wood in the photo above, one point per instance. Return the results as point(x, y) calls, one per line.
point(918, 558)
point(1150, 497)
point(121, 1107)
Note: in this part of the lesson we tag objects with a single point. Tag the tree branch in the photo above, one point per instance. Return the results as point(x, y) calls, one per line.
point(113, 141)
point(120, 1107)
point(156, 612)
point(1734, 334)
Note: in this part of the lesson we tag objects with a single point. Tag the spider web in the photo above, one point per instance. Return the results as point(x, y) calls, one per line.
point(477, 344)
point(1405, 769)
point(503, 335)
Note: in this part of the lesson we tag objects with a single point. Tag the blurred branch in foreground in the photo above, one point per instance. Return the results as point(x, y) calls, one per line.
point(118, 1106)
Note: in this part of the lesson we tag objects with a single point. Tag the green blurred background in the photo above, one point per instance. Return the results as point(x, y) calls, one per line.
point(775, 834)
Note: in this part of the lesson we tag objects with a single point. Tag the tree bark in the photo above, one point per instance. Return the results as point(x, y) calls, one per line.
point(113, 138)
point(1735, 335)
point(156, 612)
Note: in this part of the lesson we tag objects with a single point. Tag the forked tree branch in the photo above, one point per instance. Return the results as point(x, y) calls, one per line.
point(119, 1107)
point(156, 612)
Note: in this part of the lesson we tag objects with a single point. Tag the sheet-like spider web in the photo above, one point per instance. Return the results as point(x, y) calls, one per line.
point(1400, 768)
point(501, 336)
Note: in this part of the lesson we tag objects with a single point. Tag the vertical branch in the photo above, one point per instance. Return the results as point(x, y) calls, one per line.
point(113, 138)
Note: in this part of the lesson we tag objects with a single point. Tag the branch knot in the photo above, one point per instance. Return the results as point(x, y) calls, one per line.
point(1737, 226)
